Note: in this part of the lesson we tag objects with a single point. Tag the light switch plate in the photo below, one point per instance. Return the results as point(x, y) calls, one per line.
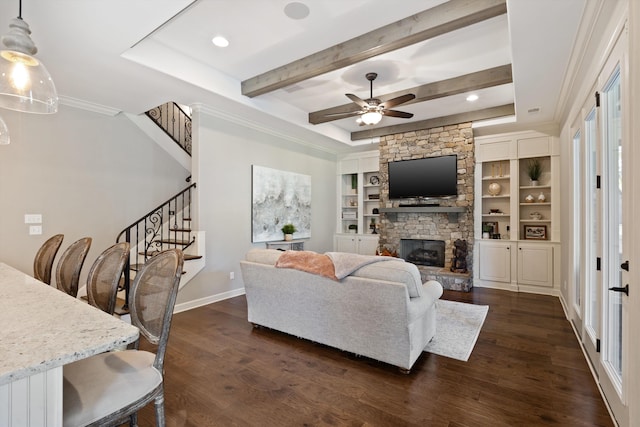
point(35, 230)
point(33, 218)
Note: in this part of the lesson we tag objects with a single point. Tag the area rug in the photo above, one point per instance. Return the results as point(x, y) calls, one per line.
point(458, 327)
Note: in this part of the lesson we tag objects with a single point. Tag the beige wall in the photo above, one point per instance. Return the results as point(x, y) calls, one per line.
point(223, 155)
point(88, 174)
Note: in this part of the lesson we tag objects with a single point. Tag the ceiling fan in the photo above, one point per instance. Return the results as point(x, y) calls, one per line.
point(373, 109)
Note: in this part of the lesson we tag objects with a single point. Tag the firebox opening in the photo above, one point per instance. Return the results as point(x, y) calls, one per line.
point(423, 252)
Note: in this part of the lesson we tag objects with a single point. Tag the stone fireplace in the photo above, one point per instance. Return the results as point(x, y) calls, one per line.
point(423, 224)
point(425, 252)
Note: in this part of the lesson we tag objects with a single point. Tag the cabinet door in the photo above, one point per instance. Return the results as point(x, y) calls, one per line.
point(535, 265)
point(534, 147)
point(369, 164)
point(493, 150)
point(346, 243)
point(495, 261)
point(367, 245)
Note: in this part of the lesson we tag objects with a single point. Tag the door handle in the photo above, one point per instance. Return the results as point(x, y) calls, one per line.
point(625, 289)
point(625, 265)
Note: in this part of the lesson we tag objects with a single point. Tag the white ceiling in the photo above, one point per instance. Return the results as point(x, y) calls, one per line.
point(132, 55)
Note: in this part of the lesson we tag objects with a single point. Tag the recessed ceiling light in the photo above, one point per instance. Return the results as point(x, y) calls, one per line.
point(296, 10)
point(472, 97)
point(220, 41)
point(533, 110)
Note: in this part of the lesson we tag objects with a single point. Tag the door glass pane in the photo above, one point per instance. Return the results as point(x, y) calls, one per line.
point(613, 149)
point(577, 243)
point(592, 312)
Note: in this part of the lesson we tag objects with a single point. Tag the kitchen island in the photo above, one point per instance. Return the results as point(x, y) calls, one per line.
point(42, 329)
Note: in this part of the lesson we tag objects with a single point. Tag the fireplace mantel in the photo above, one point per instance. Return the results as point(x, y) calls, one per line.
point(446, 209)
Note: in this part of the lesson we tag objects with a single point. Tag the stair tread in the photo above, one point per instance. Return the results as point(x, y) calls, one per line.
point(175, 241)
point(187, 257)
point(120, 310)
point(181, 230)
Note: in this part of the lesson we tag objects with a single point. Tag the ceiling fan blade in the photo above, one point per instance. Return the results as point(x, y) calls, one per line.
point(395, 113)
point(357, 100)
point(397, 101)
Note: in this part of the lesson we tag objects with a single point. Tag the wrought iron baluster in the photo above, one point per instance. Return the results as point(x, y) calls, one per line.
point(175, 122)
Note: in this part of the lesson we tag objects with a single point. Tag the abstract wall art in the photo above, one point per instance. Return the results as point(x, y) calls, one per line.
point(278, 198)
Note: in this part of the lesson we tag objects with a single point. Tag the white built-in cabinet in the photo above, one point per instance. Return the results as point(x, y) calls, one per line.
point(522, 249)
point(358, 189)
point(356, 243)
point(497, 265)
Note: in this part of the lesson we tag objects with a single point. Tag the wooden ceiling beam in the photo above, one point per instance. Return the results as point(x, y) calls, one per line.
point(444, 18)
point(479, 80)
point(472, 116)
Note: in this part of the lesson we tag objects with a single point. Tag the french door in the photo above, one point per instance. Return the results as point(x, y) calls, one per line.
point(615, 245)
point(603, 244)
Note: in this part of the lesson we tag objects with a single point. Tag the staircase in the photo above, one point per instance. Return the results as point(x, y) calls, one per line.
point(165, 227)
point(168, 225)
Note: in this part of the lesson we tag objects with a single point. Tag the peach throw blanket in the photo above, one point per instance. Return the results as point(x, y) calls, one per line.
point(334, 265)
point(308, 261)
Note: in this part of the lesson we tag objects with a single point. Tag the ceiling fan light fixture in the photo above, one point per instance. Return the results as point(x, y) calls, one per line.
point(371, 117)
point(25, 83)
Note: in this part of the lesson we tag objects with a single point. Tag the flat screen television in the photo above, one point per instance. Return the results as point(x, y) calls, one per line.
point(427, 178)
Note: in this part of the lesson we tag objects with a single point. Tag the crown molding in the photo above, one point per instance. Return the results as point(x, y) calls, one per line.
point(88, 106)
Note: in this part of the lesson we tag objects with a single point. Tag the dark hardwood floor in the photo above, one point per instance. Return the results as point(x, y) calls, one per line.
point(525, 370)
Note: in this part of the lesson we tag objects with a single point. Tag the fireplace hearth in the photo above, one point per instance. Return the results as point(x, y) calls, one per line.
point(423, 252)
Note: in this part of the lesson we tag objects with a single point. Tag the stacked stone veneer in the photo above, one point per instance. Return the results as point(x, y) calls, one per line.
point(453, 139)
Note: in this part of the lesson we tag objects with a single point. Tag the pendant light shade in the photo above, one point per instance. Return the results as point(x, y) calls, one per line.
point(25, 83)
point(4, 133)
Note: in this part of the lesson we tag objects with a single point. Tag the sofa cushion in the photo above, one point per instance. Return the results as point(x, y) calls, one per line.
point(394, 271)
point(264, 256)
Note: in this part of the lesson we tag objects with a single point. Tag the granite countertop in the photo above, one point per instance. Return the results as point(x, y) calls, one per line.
point(43, 328)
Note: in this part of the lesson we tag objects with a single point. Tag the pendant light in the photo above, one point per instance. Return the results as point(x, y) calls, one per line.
point(4, 133)
point(25, 83)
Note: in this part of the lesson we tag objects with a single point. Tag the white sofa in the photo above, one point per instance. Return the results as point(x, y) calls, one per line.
point(382, 310)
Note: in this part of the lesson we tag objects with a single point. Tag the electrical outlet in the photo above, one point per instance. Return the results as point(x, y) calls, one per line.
point(232, 275)
point(35, 230)
point(32, 218)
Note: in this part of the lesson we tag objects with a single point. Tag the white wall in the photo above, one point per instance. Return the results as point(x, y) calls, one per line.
point(224, 152)
point(88, 174)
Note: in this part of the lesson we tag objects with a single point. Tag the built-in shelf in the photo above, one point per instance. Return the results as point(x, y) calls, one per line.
point(493, 178)
point(446, 209)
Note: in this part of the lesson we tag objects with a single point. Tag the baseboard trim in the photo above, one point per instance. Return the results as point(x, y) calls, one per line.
point(179, 308)
point(593, 373)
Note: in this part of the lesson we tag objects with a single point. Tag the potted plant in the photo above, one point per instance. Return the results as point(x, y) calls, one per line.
point(288, 230)
point(534, 170)
point(353, 228)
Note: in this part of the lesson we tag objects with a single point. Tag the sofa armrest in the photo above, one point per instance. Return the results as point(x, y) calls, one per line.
point(432, 291)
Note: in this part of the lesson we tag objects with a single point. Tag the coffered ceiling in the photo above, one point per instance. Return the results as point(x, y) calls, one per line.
point(289, 63)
